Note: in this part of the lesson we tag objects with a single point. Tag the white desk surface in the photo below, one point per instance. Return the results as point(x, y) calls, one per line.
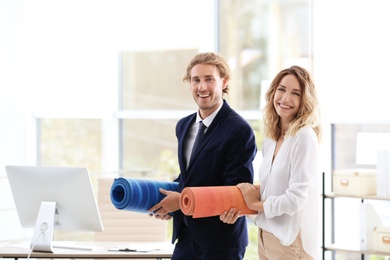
point(98, 250)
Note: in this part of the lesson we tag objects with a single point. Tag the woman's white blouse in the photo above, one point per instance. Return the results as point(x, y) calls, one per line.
point(289, 189)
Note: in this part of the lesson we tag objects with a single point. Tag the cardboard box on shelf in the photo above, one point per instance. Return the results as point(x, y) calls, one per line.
point(369, 222)
point(354, 182)
point(383, 239)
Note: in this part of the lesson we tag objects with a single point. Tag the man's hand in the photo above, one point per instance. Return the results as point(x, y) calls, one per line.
point(230, 216)
point(168, 204)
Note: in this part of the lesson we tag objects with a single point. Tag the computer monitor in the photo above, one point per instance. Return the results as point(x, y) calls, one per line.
point(49, 198)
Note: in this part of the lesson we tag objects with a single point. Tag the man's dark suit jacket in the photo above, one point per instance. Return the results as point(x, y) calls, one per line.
point(223, 158)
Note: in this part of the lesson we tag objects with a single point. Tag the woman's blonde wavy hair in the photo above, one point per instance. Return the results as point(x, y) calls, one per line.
point(308, 114)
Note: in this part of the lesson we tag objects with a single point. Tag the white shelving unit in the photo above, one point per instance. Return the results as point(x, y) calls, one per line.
point(331, 212)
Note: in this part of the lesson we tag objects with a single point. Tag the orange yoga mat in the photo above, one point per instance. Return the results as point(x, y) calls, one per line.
point(200, 202)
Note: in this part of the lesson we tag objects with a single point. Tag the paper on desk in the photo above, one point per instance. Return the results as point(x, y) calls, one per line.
point(142, 247)
point(23, 244)
point(71, 245)
point(58, 246)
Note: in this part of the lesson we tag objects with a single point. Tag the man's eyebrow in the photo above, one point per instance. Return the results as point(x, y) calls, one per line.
point(205, 76)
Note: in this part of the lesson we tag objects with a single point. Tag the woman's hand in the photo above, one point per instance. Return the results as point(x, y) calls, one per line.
point(251, 194)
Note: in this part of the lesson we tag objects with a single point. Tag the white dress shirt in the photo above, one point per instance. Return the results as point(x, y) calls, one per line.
point(194, 130)
point(289, 189)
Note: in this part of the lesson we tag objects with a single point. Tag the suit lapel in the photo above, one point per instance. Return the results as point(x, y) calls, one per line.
point(209, 133)
point(211, 130)
point(183, 163)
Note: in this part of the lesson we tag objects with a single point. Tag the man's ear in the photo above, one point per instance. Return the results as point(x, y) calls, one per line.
point(224, 83)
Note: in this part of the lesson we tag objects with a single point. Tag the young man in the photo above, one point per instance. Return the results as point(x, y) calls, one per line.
point(223, 157)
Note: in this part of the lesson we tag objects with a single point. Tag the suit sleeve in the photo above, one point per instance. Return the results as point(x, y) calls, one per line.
point(241, 150)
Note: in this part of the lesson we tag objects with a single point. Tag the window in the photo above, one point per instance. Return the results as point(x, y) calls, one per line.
point(134, 133)
point(260, 38)
point(153, 98)
point(70, 142)
point(152, 80)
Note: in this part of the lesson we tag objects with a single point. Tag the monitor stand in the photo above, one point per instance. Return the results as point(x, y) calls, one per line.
point(42, 239)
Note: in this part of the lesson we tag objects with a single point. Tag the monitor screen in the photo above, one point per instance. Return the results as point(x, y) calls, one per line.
point(62, 195)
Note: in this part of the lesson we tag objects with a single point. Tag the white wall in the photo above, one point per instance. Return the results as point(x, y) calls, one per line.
point(61, 58)
point(60, 55)
point(351, 57)
point(70, 49)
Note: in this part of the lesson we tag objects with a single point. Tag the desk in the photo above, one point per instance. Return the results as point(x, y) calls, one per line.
point(101, 250)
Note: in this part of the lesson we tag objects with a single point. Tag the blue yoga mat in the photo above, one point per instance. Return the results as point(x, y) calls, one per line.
point(138, 195)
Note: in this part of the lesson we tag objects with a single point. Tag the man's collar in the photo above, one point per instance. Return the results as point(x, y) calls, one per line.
point(208, 120)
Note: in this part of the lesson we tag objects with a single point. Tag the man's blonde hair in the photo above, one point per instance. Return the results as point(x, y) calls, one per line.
point(212, 59)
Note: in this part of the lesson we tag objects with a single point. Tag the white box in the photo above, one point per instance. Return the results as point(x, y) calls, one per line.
point(383, 174)
point(369, 222)
point(383, 239)
point(354, 182)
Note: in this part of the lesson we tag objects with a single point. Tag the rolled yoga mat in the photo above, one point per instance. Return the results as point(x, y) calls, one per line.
point(138, 195)
point(200, 202)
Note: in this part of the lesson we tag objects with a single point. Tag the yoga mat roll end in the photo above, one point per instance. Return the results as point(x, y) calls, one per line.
point(200, 202)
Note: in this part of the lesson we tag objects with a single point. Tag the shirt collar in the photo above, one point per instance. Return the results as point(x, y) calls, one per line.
point(208, 120)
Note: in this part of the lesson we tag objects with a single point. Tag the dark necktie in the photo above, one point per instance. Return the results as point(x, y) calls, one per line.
point(199, 137)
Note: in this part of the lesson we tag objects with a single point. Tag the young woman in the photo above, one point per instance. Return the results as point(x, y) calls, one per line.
point(287, 199)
